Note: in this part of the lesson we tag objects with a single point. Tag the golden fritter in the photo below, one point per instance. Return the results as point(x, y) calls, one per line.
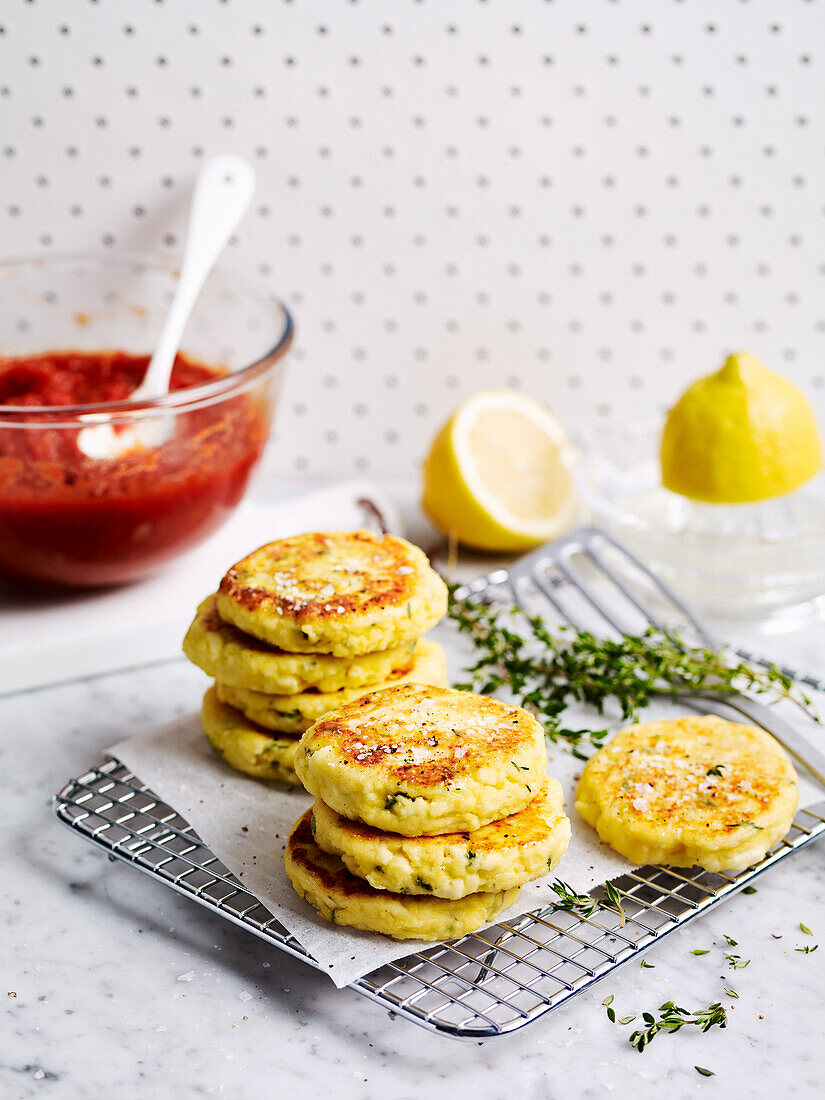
point(506, 853)
point(325, 883)
point(245, 746)
point(242, 661)
point(697, 791)
point(344, 593)
point(295, 713)
point(424, 760)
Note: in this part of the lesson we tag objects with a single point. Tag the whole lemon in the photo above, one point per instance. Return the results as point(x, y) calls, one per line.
point(741, 434)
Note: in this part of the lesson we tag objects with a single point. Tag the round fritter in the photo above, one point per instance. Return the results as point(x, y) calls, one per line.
point(295, 713)
point(242, 661)
point(499, 856)
point(422, 761)
point(341, 898)
point(345, 593)
point(245, 746)
point(696, 791)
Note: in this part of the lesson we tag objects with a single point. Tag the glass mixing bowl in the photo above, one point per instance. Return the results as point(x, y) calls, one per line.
point(729, 561)
point(68, 519)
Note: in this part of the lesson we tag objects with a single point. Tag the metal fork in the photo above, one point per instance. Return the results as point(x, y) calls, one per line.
point(624, 594)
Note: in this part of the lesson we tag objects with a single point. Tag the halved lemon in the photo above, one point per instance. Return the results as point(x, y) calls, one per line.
point(499, 475)
point(740, 435)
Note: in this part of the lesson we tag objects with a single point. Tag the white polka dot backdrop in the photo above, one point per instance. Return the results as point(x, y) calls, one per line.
point(591, 202)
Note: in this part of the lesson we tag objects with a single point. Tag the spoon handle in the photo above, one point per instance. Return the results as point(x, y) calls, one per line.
point(223, 191)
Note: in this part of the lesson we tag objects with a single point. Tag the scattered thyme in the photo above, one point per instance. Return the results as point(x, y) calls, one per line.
point(704, 1072)
point(736, 962)
point(672, 1018)
point(805, 929)
point(700, 951)
point(717, 771)
point(807, 949)
point(584, 904)
point(545, 668)
point(749, 890)
point(611, 1012)
point(647, 965)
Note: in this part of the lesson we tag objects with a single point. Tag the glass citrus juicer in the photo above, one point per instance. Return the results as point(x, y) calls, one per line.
point(726, 500)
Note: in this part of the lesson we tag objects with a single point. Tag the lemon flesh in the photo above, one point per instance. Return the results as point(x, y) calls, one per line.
point(743, 434)
point(499, 475)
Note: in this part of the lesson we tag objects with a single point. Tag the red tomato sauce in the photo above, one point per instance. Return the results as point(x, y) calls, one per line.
point(72, 520)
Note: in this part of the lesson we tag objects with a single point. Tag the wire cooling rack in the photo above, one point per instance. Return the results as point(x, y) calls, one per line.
point(487, 983)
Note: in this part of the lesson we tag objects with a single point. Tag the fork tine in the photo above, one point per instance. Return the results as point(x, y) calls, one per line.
point(600, 563)
point(580, 586)
point(591, 533)
point(541, 583)
point(512, 587)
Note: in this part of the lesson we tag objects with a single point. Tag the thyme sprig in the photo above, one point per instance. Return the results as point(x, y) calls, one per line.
point(672, 1018)
point(546, 668)
point(584, 904)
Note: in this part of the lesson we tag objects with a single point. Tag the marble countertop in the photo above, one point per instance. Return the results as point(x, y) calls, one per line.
point(117, 987)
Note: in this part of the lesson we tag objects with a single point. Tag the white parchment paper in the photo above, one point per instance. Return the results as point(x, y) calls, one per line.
point(245, 822)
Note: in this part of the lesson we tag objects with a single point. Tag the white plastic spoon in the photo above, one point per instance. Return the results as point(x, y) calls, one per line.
point(223, 191)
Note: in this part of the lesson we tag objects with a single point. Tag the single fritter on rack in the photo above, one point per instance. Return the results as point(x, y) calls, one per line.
point(499, 856)
point(344, 593)
point(245, 746)
point(341, 898)
point(296, 713)
point(696, 791)
point(240, 660)
point(424, 760)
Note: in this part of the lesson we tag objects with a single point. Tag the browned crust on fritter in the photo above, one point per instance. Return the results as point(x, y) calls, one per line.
point(213, 622)
point(745, 769)
point(366, 746)
point(305, 853)
point(382, 586)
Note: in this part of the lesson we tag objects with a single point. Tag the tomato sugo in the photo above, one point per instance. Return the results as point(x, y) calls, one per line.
point(68, 519)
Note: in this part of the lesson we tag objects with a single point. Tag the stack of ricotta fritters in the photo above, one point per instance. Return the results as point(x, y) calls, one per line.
point(305, 624)
point(432, 808)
